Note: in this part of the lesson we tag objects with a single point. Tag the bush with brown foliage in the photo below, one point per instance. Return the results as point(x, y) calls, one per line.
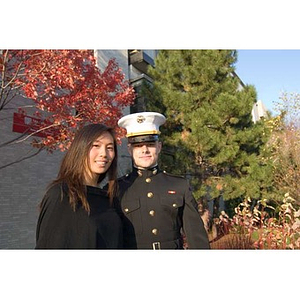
point(255, 227)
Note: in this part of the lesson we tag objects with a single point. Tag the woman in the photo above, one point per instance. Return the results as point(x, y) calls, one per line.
point(75, 213)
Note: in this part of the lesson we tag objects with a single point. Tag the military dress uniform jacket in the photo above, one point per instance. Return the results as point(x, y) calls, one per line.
point(156, 207)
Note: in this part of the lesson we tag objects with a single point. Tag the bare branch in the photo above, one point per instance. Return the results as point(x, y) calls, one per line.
point(7, 97)
point(21, 159)
point(13, 78)
point(35, 132)
point(10, 142)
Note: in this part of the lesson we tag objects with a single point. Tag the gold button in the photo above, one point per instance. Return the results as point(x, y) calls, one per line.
point(150, 195)
point(152, 213)
point(154, 231)
point(174, 205)
point(148, 180)
point(126, 210)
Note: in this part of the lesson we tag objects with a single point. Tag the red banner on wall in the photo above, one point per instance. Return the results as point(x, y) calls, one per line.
point(27, 124)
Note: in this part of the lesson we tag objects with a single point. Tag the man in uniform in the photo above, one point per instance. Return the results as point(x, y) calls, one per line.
point(157, 206)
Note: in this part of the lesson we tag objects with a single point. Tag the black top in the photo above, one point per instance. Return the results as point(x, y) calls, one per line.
point(59, 227)
point(157, 207)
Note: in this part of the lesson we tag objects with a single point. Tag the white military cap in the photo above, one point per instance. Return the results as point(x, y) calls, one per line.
point(142, 126)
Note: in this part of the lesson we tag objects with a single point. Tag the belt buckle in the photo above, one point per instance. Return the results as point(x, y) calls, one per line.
point(156, 246)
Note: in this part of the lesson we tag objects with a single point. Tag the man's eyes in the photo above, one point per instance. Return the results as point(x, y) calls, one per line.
point(147, 145)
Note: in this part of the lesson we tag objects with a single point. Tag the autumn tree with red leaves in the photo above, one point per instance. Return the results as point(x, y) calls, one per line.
point(66, 90)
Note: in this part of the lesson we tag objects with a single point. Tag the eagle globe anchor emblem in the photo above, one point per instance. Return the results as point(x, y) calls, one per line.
point(140, 119)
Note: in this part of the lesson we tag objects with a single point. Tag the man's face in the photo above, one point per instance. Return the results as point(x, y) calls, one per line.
point(145, 155)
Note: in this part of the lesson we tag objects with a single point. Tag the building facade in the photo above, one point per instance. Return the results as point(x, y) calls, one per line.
point(259, 111)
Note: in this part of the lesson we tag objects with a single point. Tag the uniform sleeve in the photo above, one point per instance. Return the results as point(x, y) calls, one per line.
point(193, 225)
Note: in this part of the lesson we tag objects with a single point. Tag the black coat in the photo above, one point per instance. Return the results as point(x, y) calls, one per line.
point(157, 206)
point(59, 227)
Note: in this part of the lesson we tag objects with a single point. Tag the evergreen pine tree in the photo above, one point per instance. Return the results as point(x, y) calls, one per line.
point(209, 135)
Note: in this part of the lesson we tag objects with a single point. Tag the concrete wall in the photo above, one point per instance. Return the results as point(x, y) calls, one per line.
point(22, 184)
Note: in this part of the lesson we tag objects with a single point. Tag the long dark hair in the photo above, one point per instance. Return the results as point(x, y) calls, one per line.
point(75, 163)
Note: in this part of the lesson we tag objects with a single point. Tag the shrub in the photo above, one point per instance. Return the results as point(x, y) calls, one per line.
point(259, 226)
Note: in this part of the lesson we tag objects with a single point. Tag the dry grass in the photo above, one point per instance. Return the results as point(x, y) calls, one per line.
point(233, 241)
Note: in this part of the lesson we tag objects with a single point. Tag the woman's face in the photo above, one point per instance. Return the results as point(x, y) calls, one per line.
point(100, 157)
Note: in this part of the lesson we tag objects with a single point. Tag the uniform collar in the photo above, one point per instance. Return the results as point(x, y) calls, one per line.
point(145, 172)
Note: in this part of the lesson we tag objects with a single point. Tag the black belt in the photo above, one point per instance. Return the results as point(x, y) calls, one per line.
point(174, 244)
point(156, 246)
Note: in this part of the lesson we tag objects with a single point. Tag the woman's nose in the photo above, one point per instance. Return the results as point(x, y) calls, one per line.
point(102, 153)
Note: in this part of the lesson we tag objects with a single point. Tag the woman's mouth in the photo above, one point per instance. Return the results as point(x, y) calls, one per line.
point(101, 163)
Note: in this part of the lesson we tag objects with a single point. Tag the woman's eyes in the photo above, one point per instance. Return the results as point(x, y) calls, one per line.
point(110, 148)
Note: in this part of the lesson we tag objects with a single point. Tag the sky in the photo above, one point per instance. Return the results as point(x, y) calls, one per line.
point(271, 72)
